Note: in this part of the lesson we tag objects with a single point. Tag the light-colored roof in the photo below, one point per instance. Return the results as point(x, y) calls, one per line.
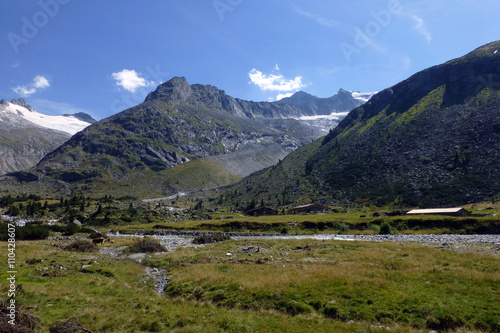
point(309, 205)
point(435, 210)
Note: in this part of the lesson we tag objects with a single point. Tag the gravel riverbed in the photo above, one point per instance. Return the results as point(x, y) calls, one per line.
point(489, 244)
point(183, 238)
point(450, 239)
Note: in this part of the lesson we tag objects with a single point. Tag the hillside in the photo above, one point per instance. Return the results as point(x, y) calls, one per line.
point(26, 135)
point(433, 139)
point(179, 127)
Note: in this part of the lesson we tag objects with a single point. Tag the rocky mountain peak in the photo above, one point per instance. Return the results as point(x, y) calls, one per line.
point(299, 98)
point(22, 102)
point(173, 92)
point(82, 116)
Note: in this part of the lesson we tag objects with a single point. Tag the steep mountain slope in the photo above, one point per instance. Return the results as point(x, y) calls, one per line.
point(433, 139)
point(26, 135)
point(179, 126)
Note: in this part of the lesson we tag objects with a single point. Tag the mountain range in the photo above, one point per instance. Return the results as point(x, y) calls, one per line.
point(431, 140)
point(26, 135)
point(182, 137)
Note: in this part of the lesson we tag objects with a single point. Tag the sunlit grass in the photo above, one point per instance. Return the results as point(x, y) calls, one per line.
point(288, 286)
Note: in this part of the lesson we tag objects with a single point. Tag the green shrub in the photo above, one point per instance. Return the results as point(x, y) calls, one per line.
point(81, 246)
point(341, 227)
point(28, 232)
point(205, 239)
point(385, 228)
point(95, 235)
point(72, 325)
point(444, 322)
point(146, 246)
point(293, 307)
point(333, 311)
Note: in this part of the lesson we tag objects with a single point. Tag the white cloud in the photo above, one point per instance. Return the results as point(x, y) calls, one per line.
point(130, 80)
point(281, 96)
point(420, 27)
point(273, 82)
point(319, 19)
point(39, 83)
point(419, 24)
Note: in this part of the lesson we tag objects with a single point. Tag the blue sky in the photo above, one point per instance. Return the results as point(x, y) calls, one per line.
point(100, 57)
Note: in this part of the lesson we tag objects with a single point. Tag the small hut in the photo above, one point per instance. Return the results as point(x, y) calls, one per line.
point(459, 211)
point(261, 211)
point(309, 209)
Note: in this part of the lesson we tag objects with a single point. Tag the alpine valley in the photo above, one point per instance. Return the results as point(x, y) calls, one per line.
point(182, 138)
point(431, 140)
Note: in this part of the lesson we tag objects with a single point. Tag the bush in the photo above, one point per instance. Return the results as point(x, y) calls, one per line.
point(28, 232)
point(32, 232)
point(205, 239)
point(72, 325)
point(293, 307)
point(444, 322)
point(341, 227)
point(81, 246)
point(385, 228)
point(71, 229)
point(86, 231)
point(95, 235)
point(147, 246)
point(333, 311)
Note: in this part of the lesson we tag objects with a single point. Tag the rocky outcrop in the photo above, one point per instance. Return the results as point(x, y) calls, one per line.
point(22, 102)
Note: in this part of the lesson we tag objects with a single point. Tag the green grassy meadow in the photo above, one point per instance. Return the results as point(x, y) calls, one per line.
point(263, 286)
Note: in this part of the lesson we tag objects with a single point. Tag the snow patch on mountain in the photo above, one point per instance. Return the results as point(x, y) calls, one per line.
point(67, 124)
point(363, 97)
point(332, 116)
